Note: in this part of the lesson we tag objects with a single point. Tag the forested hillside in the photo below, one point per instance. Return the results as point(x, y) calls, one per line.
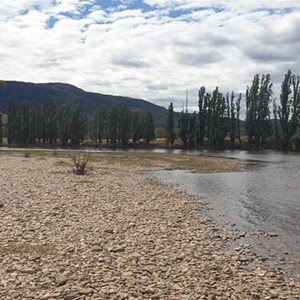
point(63, 93)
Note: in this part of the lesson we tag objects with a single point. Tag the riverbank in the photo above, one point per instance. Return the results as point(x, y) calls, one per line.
point(115, 233)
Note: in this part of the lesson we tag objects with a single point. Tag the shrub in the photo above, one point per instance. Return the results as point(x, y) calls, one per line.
point(80, 161)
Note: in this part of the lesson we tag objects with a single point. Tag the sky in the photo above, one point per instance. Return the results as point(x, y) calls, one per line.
point(150, 49)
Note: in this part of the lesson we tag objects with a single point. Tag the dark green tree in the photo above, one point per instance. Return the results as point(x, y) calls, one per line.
point(169, 126)
point(295, 119)
point(183, 125)
point(113, 125)
point(289, 109)
point(21, 121)
point(124, 125)
point(48, 122)
point(231, 116)
point(78, 124)
point(137, 127)
point(98, 127)
point(11, 122)
point(203, 104)
point(192, 129)
point(258, 99)
point(32, 121)
point(149, 132)
point(72, 124)
point(52, 122)
point(275, 130)
point(217, 127)
point(238, 123)
point(64, 114)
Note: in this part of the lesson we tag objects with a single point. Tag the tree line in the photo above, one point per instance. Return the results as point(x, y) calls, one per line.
point(218, 117)
point(68, 125)
point(216, 124)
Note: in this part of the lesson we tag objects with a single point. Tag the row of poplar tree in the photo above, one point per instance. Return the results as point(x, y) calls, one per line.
point(219, 116)
point(69, 125)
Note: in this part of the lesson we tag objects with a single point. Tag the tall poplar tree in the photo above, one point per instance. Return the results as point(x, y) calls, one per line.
point(238, 123)
point(183, 125)
point(217, 128)
point(289, 108)
point(98, 126)
point(203, 104)
point(113, 125)
point(169, 126)
point(149, 133)
point(231, 116)
point(124, 126)
point(258, 99)
point(136, 127)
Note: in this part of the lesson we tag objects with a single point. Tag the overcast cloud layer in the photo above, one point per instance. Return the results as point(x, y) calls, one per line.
point(151, 49)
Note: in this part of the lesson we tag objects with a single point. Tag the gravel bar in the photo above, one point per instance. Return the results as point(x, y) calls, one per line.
point(115, 233)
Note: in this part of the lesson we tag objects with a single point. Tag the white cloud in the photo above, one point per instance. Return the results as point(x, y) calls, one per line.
point(149, 54)
point(253, 4)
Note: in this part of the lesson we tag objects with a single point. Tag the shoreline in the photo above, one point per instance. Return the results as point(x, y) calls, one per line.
point(116, 233)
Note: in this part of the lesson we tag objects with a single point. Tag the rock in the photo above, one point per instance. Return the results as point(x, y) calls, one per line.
point(46, 296)
point(272, 234)
point(116, 249)
point(261, 273)
point(85, 291)
point(127, 274)
point(60, 281)
point(148, 291)
point(96, 249)
point(70, 296)
point(274, 294)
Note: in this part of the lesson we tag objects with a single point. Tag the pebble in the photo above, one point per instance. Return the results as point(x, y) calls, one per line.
point(60, 281)
point(85, 291)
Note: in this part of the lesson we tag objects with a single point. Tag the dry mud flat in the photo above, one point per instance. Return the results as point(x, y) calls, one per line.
point(116, 234)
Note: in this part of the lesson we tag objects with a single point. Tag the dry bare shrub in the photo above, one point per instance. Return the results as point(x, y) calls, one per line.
point(80, 161)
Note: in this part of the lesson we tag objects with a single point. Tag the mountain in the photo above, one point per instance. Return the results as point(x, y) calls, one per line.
point(64, 93)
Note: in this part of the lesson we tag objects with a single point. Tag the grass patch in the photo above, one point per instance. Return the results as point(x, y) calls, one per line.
point(201, 164)
point(86, 181)
point(62, 163)
point(150, 160)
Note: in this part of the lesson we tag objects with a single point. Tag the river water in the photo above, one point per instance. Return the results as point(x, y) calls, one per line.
point(266, 198)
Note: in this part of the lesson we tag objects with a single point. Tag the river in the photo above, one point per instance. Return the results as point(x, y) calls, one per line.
point(266, 198)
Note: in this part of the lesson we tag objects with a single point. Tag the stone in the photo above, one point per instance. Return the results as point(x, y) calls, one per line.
point(96, 249)
point(60, 281)
point(85, 291)
point(272, 234)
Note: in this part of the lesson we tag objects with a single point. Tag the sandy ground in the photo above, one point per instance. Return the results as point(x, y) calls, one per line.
point(115, 233)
